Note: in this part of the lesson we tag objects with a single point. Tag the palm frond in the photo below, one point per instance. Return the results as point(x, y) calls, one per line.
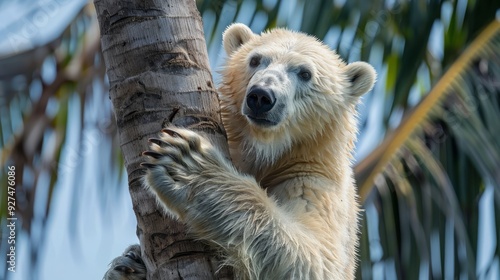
point(413, 169)
point(460, 81)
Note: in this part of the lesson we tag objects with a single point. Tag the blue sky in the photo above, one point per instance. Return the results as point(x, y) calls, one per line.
point(83, 248)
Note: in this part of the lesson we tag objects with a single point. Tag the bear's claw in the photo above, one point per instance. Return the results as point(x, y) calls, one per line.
point(148, 165)
point(170, 132)
point(152, 154)
point(158, 142)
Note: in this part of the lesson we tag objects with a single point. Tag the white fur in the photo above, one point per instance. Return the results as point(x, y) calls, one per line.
point(285, 208)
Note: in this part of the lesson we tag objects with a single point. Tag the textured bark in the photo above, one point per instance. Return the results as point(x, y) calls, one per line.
point(158, 70)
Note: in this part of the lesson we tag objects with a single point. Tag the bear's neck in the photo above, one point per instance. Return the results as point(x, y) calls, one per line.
point(327, 155)
point(328, 158)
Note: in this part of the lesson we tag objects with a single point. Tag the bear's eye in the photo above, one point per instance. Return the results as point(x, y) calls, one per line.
point(255, 61)
point(304, 75)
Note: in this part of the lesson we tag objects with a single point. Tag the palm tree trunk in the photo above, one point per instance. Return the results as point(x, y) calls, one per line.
point(157, 65)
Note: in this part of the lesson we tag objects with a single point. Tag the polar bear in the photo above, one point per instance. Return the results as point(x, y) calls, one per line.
point(285, 206)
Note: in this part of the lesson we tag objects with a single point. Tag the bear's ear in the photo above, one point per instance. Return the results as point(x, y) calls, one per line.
point(236, 35)
point(361, 77)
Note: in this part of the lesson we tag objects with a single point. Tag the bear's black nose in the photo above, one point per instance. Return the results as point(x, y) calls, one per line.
point(260, 100)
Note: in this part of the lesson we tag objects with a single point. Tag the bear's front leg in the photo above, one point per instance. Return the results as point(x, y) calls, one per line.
point(194, 181)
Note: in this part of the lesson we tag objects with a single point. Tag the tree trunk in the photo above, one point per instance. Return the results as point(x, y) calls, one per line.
point(157, 65)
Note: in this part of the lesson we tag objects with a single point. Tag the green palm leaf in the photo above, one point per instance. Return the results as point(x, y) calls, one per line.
point(457, 82)
point(425, 199)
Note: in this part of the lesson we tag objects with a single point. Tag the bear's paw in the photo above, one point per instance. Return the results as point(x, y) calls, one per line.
point(179, 162)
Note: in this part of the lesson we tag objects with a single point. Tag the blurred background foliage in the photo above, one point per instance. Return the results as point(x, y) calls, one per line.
point(427, 161)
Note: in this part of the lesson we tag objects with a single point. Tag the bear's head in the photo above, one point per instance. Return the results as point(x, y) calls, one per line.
point(284, 89)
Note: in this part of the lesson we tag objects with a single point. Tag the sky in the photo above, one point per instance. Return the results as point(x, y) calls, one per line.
point(80, 249)
point(26, 24)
